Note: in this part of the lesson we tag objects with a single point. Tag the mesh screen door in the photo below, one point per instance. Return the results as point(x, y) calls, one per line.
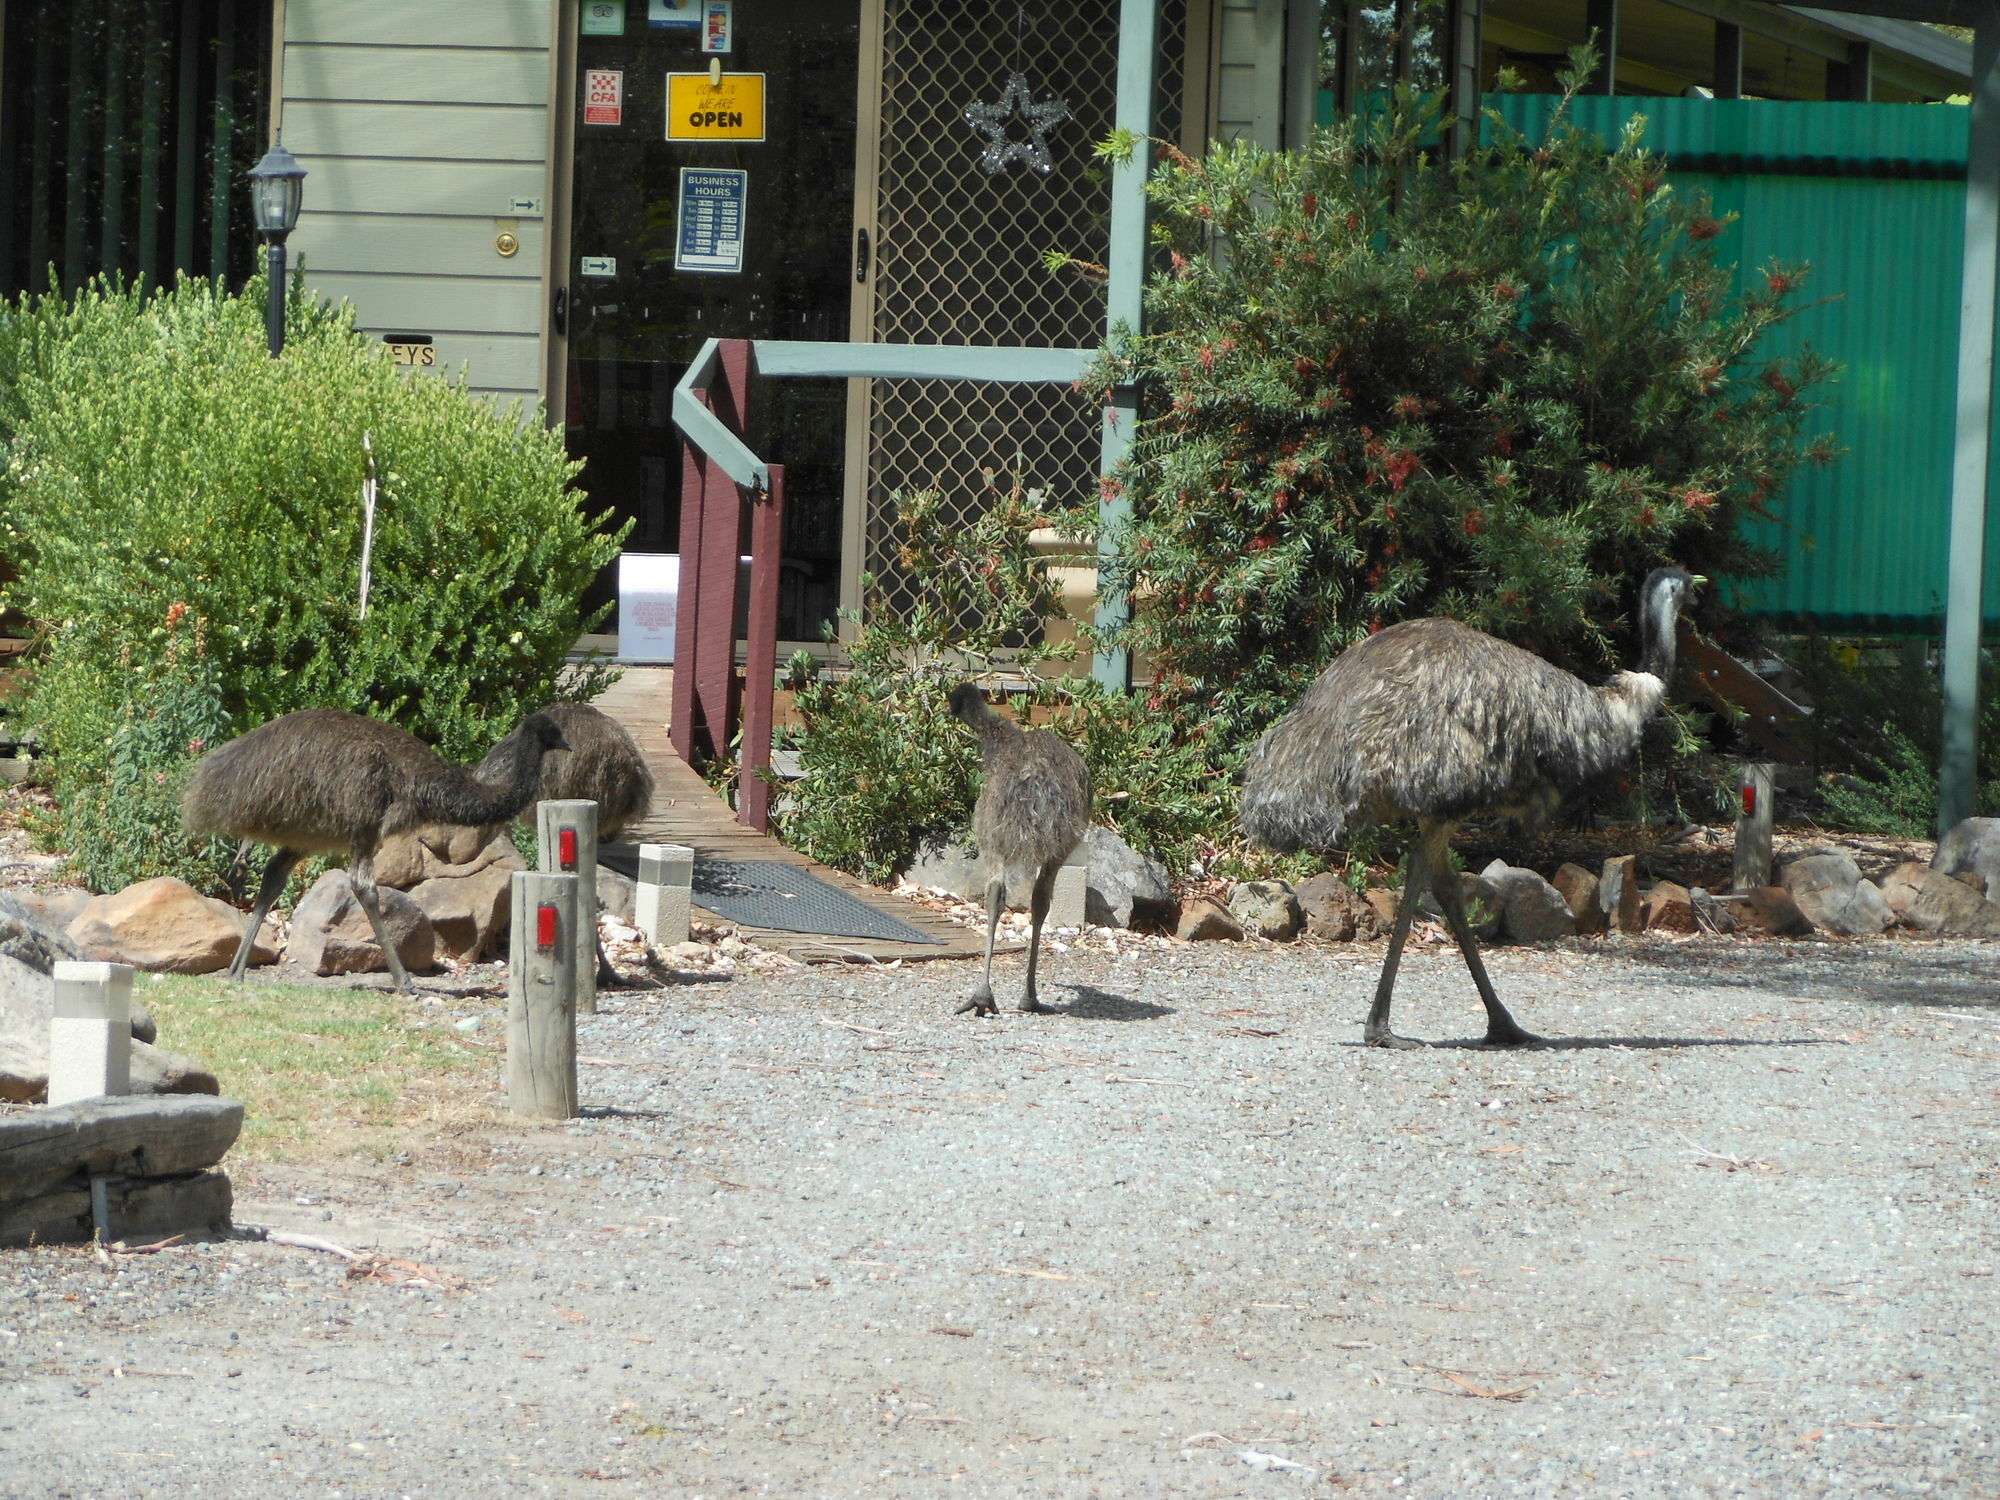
point(957, 253)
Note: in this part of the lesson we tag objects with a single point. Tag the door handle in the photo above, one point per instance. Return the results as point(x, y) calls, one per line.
point(860, 255)
point(559, 311)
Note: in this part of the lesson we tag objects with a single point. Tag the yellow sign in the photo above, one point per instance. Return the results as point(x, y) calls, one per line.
point(729, 108)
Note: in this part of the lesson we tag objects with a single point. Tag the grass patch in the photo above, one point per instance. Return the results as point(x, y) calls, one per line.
point(327, 1072)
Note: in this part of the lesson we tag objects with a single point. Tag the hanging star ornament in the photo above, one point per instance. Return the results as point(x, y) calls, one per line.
point(990, 120)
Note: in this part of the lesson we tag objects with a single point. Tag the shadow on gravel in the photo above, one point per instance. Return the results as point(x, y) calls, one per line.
point(1636, 1043)
point(1092, 1004)
point(1874, 973)
point(619, 1112)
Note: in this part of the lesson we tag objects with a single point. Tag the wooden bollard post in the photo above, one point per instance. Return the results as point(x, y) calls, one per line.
point(90, 1034)
point(567, 833)
point(1067, 901)
point(1753, 828)
point(541, 996)
point(660, 908)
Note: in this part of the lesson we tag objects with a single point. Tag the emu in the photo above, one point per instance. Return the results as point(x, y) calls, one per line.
point(1033, 809)
point(1433, 721)
point(323, 780)
point(601, 765)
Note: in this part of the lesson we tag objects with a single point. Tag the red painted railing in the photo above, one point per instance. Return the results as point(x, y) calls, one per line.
point(709, 705)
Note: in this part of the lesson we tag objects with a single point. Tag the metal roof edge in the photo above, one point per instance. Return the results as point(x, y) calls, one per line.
point(1913, 39)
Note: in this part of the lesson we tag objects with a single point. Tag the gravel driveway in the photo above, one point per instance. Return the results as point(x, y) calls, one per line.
point(1732, 1234)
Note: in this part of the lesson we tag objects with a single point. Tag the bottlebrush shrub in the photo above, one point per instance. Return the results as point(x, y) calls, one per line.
point(1380, 385)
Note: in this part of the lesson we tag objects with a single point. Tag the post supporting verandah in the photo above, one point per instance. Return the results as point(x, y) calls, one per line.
point(1965, 578)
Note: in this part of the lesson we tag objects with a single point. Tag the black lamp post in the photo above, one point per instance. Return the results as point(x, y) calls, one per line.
point(277, 183)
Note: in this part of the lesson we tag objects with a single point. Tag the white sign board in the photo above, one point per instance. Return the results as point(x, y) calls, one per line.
point(649, 597)
point(603, 96)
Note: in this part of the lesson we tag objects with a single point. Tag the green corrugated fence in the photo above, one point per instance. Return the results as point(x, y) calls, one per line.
point(1873, 196)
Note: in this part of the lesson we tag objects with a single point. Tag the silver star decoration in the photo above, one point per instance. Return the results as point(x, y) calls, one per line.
point(990, 120)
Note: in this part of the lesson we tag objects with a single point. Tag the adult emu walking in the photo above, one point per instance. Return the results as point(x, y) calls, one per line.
point(323, 780)
point(1033, 809)
point(1433, 721)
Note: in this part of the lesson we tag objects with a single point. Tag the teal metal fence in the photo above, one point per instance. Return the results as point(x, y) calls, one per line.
point(1873, 196)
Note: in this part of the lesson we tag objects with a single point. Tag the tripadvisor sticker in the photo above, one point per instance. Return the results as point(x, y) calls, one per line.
point(705, 108)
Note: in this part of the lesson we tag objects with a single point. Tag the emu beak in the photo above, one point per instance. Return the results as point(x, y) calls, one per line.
point(1697, 581)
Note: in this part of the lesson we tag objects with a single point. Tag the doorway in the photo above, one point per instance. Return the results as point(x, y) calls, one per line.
point(641, 299)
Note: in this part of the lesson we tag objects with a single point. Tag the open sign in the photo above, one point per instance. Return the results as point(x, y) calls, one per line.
point(729, 108)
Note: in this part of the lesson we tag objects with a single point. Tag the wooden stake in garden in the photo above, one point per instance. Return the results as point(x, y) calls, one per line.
point(1753, 828)
point(567, 834)
point(542, 968)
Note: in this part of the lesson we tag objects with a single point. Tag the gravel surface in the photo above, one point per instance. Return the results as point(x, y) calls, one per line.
point(1733, 1233)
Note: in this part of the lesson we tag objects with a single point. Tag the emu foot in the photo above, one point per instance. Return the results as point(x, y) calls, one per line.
point(1033, 1006)
point(1509, 1035)
point(981, 1003)
point(1389, 1039)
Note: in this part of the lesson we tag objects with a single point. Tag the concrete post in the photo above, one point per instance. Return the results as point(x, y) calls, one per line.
point(666, 880)
point(541, 996)
point(567, 835)
point(1066, 903)
point(90, 1036)
point(1753, 828)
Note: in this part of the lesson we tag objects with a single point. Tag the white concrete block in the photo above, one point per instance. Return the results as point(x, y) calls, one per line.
point(1066, 903)
point(660, 907)
point(90, 1033)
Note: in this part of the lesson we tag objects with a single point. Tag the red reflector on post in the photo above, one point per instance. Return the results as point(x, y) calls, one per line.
point(1750, 801)
point(545, 927)
point(566, 848)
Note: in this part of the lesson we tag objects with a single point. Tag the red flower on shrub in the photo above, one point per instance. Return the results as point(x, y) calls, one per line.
point(175, 612)
point(1698, 499)
point(1310, 203)
point(1505, 291)
point(1704, 229)
point(1780, 283)
point(1475, 522)
point(1400, 467)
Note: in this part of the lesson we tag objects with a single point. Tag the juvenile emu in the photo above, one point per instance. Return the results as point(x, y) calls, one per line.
point(601, 764)
point(1033, 809)
point(323, 781)
point(1433, 721)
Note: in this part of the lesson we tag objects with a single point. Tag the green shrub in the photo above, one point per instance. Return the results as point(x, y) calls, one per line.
point(1380, 385)
point(164, 465)
point(885, 766)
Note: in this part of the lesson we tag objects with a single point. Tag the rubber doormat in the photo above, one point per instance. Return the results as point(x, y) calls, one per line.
point(767, 893)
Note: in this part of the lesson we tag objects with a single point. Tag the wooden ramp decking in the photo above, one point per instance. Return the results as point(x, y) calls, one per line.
point(686, 811)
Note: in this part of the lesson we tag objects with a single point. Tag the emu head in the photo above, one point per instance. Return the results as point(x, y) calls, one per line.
point(539, 729)
point(968, 704)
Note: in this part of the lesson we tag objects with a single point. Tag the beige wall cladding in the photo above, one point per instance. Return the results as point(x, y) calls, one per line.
point(425, 131)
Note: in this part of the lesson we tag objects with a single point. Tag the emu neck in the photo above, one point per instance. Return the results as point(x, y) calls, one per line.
point(1658, 628)
point(511, 787)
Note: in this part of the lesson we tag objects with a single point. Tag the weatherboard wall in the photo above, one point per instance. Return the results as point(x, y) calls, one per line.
point(424, 130)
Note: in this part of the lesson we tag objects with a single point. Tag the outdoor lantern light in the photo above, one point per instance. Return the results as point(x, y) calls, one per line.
point(277, 183)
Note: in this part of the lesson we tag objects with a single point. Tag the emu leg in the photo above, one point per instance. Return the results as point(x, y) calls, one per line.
point(981, 1003)
point(1377, 1032)
point(1501, 1028)
point(361, 876)
point(276, 873)
point(1038, 911)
